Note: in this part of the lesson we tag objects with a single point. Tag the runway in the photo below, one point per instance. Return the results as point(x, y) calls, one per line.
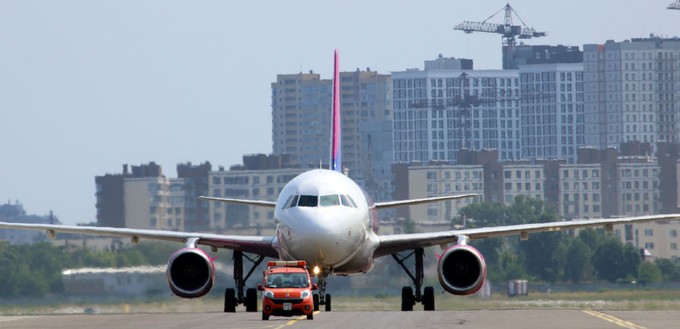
point(526, 319)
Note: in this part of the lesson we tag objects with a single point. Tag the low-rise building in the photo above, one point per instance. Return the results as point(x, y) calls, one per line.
point(258, 180)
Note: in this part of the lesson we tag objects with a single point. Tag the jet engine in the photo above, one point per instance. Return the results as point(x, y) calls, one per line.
point(190, 273)
point(461, 270)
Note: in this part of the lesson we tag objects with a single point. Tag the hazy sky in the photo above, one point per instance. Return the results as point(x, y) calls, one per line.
point(86, 86)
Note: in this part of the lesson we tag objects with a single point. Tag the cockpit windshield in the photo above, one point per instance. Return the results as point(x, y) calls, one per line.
point(320, 201)
point(329, 200)
point(308, 201)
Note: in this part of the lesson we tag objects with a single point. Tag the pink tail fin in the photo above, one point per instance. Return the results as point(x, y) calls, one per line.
point(336, 138)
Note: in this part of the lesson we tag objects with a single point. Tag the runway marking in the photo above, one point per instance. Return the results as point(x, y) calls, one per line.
point(292, 322)
point(613, 319)
point(18, 317)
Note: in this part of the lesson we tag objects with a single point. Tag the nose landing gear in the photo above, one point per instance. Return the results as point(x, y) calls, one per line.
point(322, 298)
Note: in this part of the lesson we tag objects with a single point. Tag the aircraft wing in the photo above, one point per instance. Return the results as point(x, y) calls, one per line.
point(263, 245)
point(400, 242)
point(411, 202)
point(268, 204)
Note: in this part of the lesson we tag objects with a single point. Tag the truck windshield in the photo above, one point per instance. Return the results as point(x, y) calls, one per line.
point(287, 280)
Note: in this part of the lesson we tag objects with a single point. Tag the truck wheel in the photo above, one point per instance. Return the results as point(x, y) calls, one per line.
point(310, 316)
point(265, 317)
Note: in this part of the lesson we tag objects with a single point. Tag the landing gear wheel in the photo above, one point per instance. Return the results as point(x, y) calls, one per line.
point(251, 300)
point(310, 316)
point(316, 302)
point(407, 299)
point(327, 303)
point(265, 317)
point(230, 300)
point(428, 299)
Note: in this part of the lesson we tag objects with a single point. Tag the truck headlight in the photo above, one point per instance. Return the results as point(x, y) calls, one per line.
point(269, 294)
point(305, 294)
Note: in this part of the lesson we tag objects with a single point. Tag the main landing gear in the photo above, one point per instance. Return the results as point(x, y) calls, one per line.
point(322, 298)
point(408, 298)
point(233, 297)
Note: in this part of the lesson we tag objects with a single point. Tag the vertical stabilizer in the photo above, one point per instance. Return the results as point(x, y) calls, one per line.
point(336, 139)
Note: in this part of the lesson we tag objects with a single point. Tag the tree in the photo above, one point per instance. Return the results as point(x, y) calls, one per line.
point(648, 272)
point(591, 237)
point(613, 261)
point(578, 267)
point(669, 270)
point(545, 255)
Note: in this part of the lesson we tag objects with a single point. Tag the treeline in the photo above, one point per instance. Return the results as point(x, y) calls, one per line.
point(35, 270)
point(592, 256)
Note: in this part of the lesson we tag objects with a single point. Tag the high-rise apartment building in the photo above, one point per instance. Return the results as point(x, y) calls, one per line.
point(514, 56)
point(301, 109)
point(551, 111)
point(438, 112)
point(631, 91)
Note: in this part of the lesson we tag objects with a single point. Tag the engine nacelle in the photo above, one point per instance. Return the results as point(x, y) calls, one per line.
point(461, 270)
point(190, 273)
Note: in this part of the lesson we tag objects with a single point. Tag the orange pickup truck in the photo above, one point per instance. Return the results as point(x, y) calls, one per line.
point(287, 290)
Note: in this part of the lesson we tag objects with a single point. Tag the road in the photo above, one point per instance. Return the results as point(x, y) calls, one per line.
point(526, 319)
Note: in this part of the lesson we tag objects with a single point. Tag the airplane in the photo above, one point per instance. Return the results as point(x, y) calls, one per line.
point(324, 218)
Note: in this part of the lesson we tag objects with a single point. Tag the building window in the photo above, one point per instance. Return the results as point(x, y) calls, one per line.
point(649, 232)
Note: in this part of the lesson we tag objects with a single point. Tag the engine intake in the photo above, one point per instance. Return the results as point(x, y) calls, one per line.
point(190, 273)
point(461, 270)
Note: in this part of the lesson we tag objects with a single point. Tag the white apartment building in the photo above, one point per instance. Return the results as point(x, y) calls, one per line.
point(551, 111)
point(631, 91)
point(440, 111)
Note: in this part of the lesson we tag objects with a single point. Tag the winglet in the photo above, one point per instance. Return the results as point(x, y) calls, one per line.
point(336, 139)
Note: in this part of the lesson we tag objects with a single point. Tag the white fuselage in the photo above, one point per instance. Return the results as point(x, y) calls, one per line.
point(326, 219)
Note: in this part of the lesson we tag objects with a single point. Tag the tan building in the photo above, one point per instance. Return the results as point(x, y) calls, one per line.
point(522, 179)
point(661, 240)
point(263, 184)
point(580, 191)
point(146, 203)
point(638, 191)
point(421, 181)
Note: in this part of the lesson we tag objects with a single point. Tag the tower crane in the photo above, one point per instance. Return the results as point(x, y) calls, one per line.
point(507, 29)
point(674, 5)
